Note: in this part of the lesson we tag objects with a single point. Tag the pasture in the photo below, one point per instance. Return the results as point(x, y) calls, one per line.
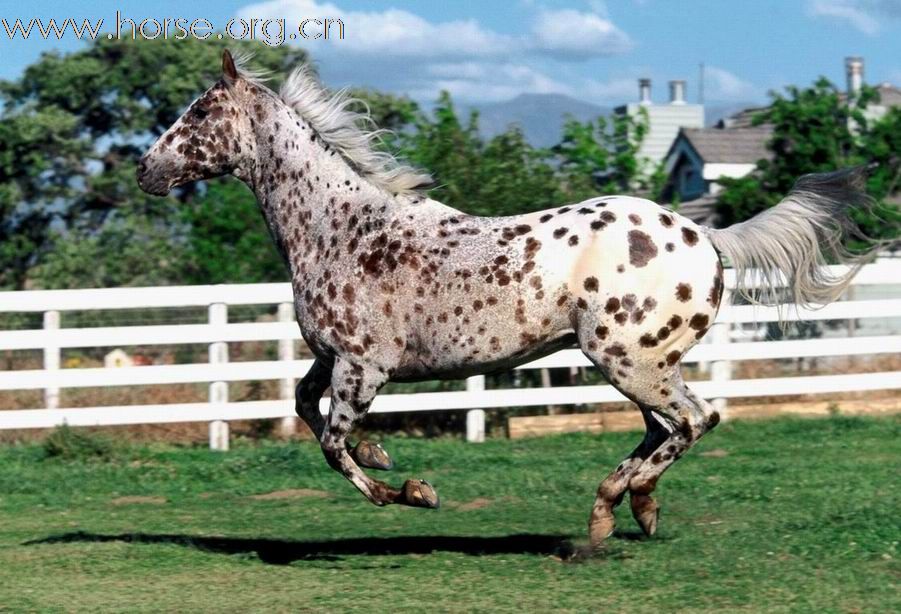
point(784, 515)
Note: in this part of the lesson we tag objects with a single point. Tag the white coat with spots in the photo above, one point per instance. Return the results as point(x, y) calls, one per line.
point(392, 286)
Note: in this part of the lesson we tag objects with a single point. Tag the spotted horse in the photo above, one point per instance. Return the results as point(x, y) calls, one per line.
point(390, 285)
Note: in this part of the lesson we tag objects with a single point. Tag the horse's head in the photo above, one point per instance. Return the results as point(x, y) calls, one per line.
point(212, 138)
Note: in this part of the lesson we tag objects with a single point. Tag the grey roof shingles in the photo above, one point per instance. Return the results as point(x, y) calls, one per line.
point(730, 145)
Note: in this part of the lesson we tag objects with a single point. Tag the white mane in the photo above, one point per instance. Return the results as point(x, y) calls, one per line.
point(330, 115)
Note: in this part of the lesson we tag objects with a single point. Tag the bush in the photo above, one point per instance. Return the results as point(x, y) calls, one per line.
point(71, 444)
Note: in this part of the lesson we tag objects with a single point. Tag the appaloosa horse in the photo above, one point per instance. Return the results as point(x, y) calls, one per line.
point(390, 285)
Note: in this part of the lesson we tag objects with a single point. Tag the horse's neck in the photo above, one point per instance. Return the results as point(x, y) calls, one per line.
point(303, 185)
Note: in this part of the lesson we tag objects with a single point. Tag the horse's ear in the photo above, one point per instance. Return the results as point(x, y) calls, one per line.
point(229, 70)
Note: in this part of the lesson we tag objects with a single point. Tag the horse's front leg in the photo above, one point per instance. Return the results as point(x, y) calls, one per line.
point(309, 392)
point(354, 387)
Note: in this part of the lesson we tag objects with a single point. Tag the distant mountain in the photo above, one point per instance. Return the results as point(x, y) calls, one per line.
point(541, 116)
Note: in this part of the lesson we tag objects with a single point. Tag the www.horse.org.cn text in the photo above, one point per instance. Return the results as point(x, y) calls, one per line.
point(272, 32)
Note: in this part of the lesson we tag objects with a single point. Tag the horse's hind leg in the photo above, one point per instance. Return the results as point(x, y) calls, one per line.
point(674, 419)
point(687, 418)
point(354, 387)
point(611, 490)
point(308, 393)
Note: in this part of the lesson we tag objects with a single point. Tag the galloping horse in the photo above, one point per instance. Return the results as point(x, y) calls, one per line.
point(390, 285)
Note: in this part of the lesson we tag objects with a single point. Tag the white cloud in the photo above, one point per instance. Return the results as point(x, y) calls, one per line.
point(864, 15)
point(397, 50)
point(486, 82)
point(390, 33)
point(722, 85)
point(570, 34)
point(396, 33)
point(846, 10)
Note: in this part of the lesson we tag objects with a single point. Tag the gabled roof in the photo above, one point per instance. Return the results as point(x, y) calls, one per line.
point(742, 119)
point(700, 210)
point(730, 145)
point(889, 95)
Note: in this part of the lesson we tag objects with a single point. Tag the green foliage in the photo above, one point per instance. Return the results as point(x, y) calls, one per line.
point(135, 250)
point(72, 129)
point(602, 157)
point(503, 176)
point(816, 129)
point(70, 444)
point(227, 240)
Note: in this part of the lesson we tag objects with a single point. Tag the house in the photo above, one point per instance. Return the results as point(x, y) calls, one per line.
point(699, 157)
point(664, 120)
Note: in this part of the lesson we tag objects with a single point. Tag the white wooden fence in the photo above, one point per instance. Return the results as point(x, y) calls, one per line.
point(218, 332)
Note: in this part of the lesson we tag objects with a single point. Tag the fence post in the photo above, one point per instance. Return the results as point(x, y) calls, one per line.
point(218, 314)
point(721, 370)
point(51, 359)
point(288, 424)
point(475, 418)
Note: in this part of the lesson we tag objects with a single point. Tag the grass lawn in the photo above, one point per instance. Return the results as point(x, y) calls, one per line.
point(787, 515)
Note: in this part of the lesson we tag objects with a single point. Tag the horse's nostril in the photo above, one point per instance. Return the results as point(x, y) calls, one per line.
point(142, 166)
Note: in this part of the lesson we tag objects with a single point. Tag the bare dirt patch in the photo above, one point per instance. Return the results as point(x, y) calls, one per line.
point(715, 453)
point(475, 504)
point(291, 493)
point(139, 500)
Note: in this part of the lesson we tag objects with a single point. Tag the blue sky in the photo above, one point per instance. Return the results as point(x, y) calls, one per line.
point(491, 50)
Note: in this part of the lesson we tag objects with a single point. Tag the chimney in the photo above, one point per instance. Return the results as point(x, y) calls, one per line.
point(644, 91)
point(854, 73)
point(677, 92)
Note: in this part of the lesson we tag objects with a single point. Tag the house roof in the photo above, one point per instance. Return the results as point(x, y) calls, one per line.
point(742, 119)
point(729, 146)
point(889, 95)
point(700, 210)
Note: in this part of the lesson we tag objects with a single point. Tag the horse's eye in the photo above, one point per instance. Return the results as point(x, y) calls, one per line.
point(200, 112)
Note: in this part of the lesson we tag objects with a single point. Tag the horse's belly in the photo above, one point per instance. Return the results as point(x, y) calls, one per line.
point(417, 367)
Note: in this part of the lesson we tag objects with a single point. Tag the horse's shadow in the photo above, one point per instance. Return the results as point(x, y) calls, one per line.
point(283, 552)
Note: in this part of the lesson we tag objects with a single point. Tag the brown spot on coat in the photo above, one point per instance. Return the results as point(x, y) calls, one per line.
point(612, 305)
point(560, 232)
point(699, 322)
point(647, 340)
point(591, 284)
point(615, 349)
point(683, 292)
point(641, 248)
point(689, 236)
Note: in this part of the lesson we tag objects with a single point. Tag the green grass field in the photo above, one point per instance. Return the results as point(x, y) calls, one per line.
point(787, 515)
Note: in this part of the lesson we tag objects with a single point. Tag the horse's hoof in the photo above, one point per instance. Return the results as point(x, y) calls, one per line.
point(646, 513)
point(600, 527)
point(419, 493)
point(372, 456)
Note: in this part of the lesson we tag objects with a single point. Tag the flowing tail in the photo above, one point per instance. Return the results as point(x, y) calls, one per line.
point(790, 244)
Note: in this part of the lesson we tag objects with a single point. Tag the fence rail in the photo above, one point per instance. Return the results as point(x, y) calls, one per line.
point(218, 332)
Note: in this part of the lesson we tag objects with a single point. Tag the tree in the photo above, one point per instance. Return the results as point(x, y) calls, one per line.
point(602, 157)
point(73, 127)
point(816, 129)
point(503, 176)
point(227, 240)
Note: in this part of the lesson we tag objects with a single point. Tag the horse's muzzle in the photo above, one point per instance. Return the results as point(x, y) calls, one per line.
point(150, 181)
